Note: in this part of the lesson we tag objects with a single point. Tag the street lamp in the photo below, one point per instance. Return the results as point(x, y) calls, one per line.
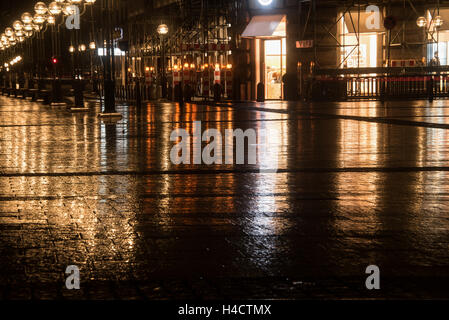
point(438, 21)
point(162, 30)
point(39, 18)
point(54, 8)
point(9, 32)
point(28, 27)
point(109, 9)
point(27, 18)
point(17, 25)
point(51, 20)
point(421, 22)
point(40, 8)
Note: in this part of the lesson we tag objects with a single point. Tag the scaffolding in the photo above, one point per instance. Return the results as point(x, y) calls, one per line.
point(327, 34)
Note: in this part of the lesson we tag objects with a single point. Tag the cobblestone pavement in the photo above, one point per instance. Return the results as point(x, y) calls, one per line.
point(357, 184)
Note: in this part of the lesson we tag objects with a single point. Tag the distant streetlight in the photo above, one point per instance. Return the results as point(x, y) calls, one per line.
point(40, 8)
point(162, 29)
point(17, 25)
point(438, 21)
point(39, 18)
point(54, 8)
point(28, 27)
point(9, 32)
point(51, 20)
point(421, 22)
point(27, 18)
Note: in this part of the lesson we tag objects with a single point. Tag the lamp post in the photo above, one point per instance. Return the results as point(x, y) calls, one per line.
point(162, 30)
point(421, 22)
point(107, 14)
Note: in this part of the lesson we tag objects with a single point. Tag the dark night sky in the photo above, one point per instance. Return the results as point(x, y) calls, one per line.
point(11, 10)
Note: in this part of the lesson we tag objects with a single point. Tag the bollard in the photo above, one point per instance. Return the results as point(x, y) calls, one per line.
point(178, 94)
point(159, 92)
point(187, 93)
point(430, 87)
point(382, 89)
point(261, 92)
point(153, 92)
point(78, 90)
point(217, 92)
point(138, 95)
point(56, 91)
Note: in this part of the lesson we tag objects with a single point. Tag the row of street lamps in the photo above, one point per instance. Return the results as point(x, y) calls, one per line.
point(34, 25)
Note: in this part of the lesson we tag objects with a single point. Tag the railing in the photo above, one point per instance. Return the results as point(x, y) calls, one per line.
point(381, 84)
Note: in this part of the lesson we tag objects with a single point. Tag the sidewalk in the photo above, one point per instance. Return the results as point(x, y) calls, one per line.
point(349, 193)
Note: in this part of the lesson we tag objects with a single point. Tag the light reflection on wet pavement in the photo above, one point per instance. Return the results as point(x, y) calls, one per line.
point(348, 193)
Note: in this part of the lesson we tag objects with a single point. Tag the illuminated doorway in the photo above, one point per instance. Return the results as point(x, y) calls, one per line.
point(275, 58)
point(269, 53)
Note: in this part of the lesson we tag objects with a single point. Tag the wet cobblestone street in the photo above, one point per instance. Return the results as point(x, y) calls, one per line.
point(357, 184)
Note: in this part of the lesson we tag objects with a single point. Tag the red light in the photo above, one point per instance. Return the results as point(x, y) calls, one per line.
point(55, 61)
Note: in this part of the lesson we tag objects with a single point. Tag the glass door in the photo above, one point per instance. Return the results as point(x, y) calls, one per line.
point(275, 68)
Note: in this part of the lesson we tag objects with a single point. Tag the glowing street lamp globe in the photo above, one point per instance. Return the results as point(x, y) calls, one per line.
point(439, 21)
point(17, 25)
point(421, 22)
point(92, 45)
point(28, 34)
point(26, 18)
point(51, 20)
point(162, 29)
point(54, 8)
point(90, 1)
point(28, 27)
point(9, 32)
point(39, 19)
point(40, 8)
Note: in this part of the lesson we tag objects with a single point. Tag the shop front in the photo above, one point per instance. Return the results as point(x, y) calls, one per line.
point(267, 34)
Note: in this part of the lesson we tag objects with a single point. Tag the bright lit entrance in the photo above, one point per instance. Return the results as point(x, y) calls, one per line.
point(270, 53)
point(275, 58)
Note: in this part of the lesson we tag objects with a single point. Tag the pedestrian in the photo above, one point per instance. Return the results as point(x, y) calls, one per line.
point(435, 62)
